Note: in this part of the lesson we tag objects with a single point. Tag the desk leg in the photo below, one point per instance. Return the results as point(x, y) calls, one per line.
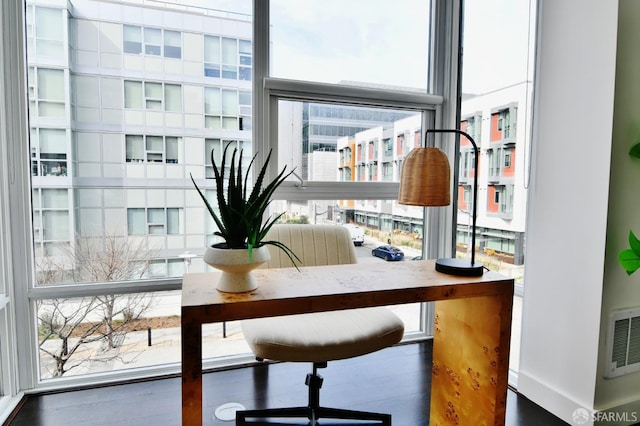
point(471, 361)
point(191, 371)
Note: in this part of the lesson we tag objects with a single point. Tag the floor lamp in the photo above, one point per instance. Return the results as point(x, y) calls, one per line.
point(425, 181)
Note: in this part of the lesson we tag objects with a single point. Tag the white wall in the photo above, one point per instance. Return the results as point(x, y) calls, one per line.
point(568, 200)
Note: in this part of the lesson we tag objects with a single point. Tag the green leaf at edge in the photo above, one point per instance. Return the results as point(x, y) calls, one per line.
point(629, 260)
point(635, 151)
point(634, 243)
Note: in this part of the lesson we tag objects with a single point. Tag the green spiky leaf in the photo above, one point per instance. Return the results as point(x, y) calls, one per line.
point(635, 150)
point(240, 218)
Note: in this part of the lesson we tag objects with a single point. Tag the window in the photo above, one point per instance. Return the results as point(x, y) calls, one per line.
point(216, 146)
point(172, 44)
point(221, 109)
point(152, 149)
point(244, 102)
point(132, 39)
point(154, 221)
point(49, 31)
point(133, 94)
point(48, 152)
point(157, 42)
point(491, 118)
point(322, 53)
point(244, 47)
point(212, 56)
point(229, 58)
point(46, 92)
point(226, 57)
point(155, 96)
point(131, 173)
point(51, 221)
point(152, 41)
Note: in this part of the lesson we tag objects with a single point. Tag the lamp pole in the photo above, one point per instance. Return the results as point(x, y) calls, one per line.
point(475, 186)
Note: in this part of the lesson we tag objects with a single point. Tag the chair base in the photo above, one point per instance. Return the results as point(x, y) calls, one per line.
point(313, 415)
point(313, 412)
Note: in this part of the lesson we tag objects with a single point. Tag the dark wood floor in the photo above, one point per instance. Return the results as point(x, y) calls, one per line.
point(395, 380)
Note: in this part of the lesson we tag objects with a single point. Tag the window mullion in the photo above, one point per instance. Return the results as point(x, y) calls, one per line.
point(16, 175)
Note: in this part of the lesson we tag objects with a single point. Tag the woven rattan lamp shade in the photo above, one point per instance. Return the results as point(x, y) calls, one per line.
point(425, 178)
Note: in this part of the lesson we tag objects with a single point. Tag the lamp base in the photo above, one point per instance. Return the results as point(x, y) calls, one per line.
point(460, 267)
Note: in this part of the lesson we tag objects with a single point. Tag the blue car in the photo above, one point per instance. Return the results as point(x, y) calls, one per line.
point(388, 252)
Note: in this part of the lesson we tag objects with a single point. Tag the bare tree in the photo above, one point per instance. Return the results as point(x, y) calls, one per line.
point(114, 259)
point(103, 318)
point(67, 321)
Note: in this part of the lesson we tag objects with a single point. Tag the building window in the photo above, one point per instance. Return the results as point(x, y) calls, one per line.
point(48, 152)
point(507, 159)
point(212, 56)
point(155, 96)
point(152, 41)
point(244, 47)
point(221, 109)
point(216, 146)
point(244, 100)
point(132, 39)
point(388, 148)
point(494, 162)
point(172, 44)
point(387, 172)
point(152, 149)
point(157, 42)
point(227, 58)
point(47, 35)
point(154, 221)
point(50, 220)
point(46, 92)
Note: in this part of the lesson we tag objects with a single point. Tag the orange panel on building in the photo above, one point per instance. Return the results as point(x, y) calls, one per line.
point(496, 135)
point(463, 139)
point(462, 204)
point(492, 206)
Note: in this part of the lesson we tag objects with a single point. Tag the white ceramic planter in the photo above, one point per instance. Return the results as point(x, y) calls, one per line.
point(236, 268)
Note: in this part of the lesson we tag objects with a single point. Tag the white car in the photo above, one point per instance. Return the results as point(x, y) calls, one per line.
point(357, 233)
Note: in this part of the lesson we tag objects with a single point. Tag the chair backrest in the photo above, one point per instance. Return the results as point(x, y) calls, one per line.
point(314, 244)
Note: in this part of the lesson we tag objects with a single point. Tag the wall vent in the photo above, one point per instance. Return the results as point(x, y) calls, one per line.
point(623, 342)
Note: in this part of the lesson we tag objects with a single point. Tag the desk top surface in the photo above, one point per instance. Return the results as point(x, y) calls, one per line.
point(398, 282)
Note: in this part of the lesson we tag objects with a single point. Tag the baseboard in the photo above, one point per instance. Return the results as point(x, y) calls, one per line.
point(556, 403)
point(621, 415)
point(573, 412)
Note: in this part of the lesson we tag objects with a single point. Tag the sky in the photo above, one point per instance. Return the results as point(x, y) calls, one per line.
point(359, 40)
point(385, 42)
point(496, 43)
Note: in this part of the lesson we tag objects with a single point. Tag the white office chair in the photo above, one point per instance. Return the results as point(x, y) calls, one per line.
point(318, 337)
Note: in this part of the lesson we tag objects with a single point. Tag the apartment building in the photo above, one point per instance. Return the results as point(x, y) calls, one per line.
point(123, 111)
point(497, 122)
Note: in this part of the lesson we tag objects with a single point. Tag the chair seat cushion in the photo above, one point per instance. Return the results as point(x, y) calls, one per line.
point(323, 336)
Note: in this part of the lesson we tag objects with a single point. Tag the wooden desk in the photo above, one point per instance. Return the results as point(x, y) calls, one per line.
point(471, 336)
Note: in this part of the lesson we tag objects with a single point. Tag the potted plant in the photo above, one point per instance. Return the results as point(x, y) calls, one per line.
point(241, 221)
